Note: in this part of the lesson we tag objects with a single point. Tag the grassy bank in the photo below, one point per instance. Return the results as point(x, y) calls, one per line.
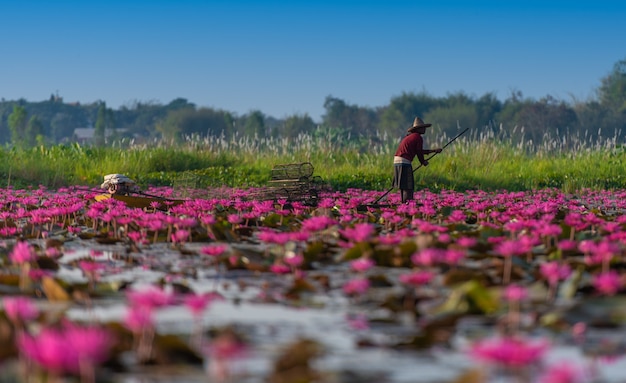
point(474, 161)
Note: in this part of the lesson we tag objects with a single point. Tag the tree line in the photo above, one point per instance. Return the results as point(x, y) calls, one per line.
point(53, 121)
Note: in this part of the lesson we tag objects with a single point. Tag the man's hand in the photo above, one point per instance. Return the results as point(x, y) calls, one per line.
point(425, 163)
point(438, 150)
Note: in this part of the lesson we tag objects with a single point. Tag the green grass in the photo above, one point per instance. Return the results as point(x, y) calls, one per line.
point(470, 163)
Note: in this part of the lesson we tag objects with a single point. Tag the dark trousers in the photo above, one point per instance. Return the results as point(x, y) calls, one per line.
point(403, 180)
point(406, 195)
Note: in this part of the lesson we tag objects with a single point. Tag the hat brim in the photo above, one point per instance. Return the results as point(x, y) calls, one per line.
point(414, 128)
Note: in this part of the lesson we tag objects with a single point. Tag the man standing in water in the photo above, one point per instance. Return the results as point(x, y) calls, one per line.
point(410, 146)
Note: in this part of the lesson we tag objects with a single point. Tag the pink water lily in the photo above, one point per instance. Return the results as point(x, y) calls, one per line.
point(436, 241)
point(22, 253)
point(214, 250)
point(515, 293)
point(361, 232)
point(69, 349)
point(149, 298)
point(608, 283)
point(362, 264)
point(564, 372)
point(356, 286)
point(416, 278)
point(20, 309)
point(509, 351)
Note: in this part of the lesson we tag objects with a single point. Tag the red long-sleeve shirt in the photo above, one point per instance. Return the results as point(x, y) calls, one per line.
point(411, 145)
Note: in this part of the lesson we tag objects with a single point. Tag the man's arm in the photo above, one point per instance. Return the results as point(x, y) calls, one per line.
point(429, 151)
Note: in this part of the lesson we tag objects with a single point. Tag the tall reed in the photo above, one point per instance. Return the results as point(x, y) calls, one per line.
point(489, 158)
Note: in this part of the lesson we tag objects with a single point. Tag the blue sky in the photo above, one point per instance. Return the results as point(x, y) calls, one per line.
point(286, 57)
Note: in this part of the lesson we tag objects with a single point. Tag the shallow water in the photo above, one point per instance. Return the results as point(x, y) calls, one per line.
point(269, 327)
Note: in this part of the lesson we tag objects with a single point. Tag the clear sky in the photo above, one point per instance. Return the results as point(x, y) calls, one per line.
point(285, 57)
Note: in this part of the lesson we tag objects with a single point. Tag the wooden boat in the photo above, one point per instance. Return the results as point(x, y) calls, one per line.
point(141, 201)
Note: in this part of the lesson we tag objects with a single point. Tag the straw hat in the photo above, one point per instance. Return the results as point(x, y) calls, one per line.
point(418, 123)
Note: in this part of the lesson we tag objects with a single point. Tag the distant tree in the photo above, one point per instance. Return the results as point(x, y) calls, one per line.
point(140, 118)
point(5, 131)
point(34, 132)
point(445, 119)
point(350, 118)
point(487, 107)
point(403, 109)
point(170, 127)
point(392, 122)
point(17, 123)
point(180, 103)
point(104, 126)
point(612, 91)
point(337, 113)
point(188, 121)
point(99, 134)
point(209, 122)
point(612, 98)
point(254, 124)
point(535, 119)
point(297, 124)
point(111, 127)
point(63, 125)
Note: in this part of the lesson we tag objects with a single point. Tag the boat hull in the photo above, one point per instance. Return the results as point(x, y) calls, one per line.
point(141, 201)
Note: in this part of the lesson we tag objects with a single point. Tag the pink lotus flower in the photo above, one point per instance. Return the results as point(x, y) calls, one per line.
point(207, 220)
point(607, 283)
point(390, 239)
point(221, 351)
point(53, 252)
point(294, 260)
point(91, 344)
point(508, 248)
point(95, 253)
point(356, 286)
point(89, 267)
point(22, 253)
point(466, 241)
point(136, 236)
point(555, 271)
point(457, 216)
point(563, 372)
point(362, 264)
point(214, 250)
point(20, 309)
point(197, 303)
point(49, 350)
point(180, 236)
point(361, 232)
point(269, 236)
point(567, 244)
point(149, 298)
point(509, 351)
point(138, 319)
point(428, 257)
point(280, 268)
point(416, 278)
point(317, 223)
point(38, 274)
point(453, 257)
point(70, 349)
point(515, 293)
point(234, 219)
